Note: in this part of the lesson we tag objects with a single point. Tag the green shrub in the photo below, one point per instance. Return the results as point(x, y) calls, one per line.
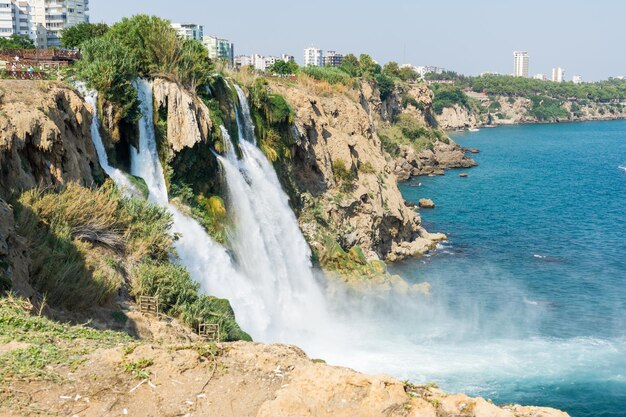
point(331, 75)
point(448, 96)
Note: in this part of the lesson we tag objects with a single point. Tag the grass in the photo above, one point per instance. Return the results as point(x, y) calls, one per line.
point(138, 368)
point(49, 344)
point(85, 244)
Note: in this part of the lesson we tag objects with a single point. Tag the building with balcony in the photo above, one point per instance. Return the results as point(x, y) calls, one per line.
point(332, 59)
point(189, 31)
point(220, 49)
point(313, 57)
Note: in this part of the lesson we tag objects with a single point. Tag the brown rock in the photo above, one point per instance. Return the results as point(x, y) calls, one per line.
point(426, 203)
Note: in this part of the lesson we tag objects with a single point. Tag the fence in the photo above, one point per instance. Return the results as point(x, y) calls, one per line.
point(25, 75)
point(51, 54)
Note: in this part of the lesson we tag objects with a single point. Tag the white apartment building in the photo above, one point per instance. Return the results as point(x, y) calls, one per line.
point(313, 57)
point(520, 64)
point(288, 58)
point(7, 18)
point(189, 31)
point(557, 74)
point(332, 59)
point(220, 49)
point(41, 20)
point(577, 79)
point(541, 77)
point(243, 61)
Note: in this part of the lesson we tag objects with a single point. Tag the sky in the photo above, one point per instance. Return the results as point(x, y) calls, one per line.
point(584, 37)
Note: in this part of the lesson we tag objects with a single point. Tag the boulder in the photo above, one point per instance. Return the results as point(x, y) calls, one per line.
point(426, 203)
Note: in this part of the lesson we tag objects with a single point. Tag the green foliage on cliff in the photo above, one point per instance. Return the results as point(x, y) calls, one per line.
point(393, 70)
point(141, 46)
point(178, 296)
point(75, 36)
point(84, 243)
point(602, 91)
point(273, 119)
point(406, 130)
point(352, 263)
point(447, 96)
point(546, 109)
point(344, 175)
point(331, 75)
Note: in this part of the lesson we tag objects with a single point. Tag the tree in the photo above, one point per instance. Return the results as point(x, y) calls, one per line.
point(385, 85)
point(351, 66)
point(75, 36)
point(392, 69)
point(368, 66)
point(194, 67)
point(284, 68)
point(16, 42)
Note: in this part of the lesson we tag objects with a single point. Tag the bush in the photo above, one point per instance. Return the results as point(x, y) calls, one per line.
point(385, 85)
point(447, 96)
point(178, 295)
point(331, 75)
point(75, 36)
point(545, 108)
point(343, 175)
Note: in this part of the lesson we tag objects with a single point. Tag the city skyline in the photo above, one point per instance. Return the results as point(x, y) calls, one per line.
point(468, 38)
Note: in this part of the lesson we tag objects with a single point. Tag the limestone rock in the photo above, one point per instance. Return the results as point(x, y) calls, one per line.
point(456, 117)
point(426, 203)
point(45, 136)
point(188, 120)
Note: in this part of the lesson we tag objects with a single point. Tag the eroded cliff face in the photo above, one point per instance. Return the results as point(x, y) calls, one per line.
point(188, 120)
point(457, 117)
point(347, 186)
point(14, 261)
point(45, 137)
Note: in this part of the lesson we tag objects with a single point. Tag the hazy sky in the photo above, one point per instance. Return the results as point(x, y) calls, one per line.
point(586, 37)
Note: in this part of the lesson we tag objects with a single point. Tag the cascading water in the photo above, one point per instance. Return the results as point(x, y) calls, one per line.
point(116, 175)
point(208, 263)
point(269, 246)
point(247, 124)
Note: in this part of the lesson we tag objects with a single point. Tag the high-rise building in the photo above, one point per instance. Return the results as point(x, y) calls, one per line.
point(8, 11)
point(332, 59)
point(189, 30)
point(557, 74)
point(313, 57)
point(520, 64)
point(577, 79)
point(220, 49)
point(41, 20)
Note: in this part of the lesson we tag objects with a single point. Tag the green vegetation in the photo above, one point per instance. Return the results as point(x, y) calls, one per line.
point(447, 95)
point(408, 131)
point(272, 119)
point(75, 36)
point(138, 368)
point(284, 68)
point(16, 42)
point(351, 263)
point(603, 91)
point(343, 175)
point(331, 75)
point(48, 343)
point(85, 244)
point(393, 70)
point(141, 46)
point(546, 109)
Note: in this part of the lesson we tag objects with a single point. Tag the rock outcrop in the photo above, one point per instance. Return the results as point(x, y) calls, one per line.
point(237, 379)
point(188, 120)
point(430, 161)
point(14, 261)
point(345, 180)
point(456, 117)
point(45, 136)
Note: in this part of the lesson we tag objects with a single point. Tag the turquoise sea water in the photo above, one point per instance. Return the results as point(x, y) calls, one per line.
point(532, 282)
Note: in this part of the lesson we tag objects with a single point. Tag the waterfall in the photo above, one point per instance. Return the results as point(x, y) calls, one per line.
point(269, 245)
point(118, 177)
point(208, 262)
point(248, 126)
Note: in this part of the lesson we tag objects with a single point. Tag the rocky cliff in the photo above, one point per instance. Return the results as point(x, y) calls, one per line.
point(45, 137)
point(347, 186)
point(457, 117)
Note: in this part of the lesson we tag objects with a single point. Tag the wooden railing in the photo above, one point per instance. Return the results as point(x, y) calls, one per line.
point(52, 54)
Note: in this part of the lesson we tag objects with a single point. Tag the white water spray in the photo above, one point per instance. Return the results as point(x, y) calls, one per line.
point(269, 246)
point(118, 177)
